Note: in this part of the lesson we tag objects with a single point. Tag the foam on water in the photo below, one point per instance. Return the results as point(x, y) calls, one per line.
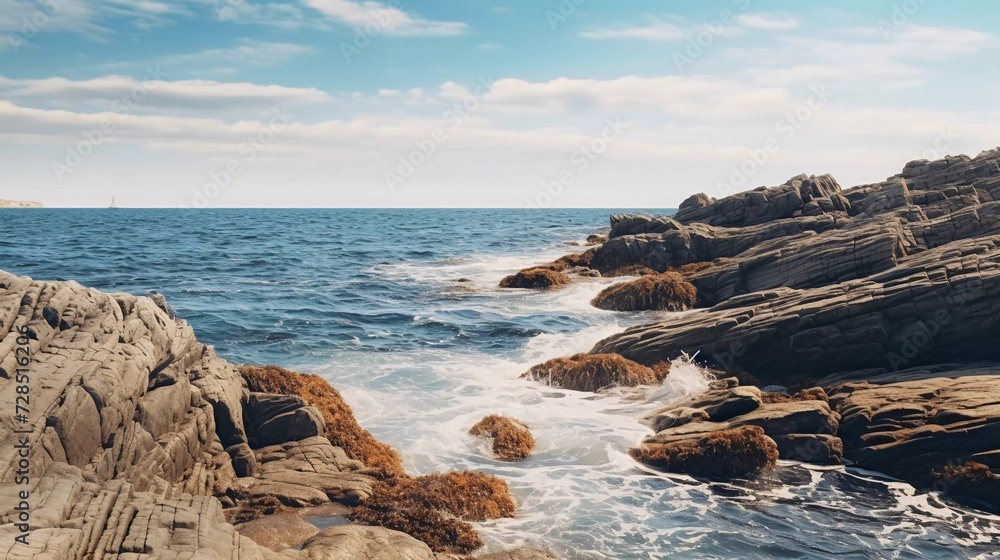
point(580, 494)
point(371, 299)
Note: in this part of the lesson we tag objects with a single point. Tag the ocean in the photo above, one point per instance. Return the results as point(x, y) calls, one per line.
point(371, 300)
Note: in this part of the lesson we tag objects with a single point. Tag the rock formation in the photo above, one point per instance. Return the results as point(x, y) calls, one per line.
point(19, 204)
point(668, 291)
point(594, 372)
point(511, 439)
point(135, 441)
point(885, 295)
point(536, 279)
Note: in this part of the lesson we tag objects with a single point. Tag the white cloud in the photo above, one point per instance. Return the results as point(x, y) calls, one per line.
point(681, 96)
point(863, 58)
point(767, 22)
point(489, 46)
point(87, 17)
point(271, 14)
point(656, 30)
point(231, 59)
point(192, 95)
point(387, 19)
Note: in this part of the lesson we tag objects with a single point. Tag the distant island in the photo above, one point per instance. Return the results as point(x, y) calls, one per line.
point(19, 204)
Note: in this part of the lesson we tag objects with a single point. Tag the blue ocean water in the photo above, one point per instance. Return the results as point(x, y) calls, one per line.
point(372, 300)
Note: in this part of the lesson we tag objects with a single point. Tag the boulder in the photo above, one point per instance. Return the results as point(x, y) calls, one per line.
point(511, 439)
point(275, 419)
point(594, 372)
point(661, 292)
point(722, 454)
point(536, 279)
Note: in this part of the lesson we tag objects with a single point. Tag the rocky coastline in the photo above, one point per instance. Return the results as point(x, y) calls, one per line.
point(133, 440)
point(19, 204)
point(846, 326)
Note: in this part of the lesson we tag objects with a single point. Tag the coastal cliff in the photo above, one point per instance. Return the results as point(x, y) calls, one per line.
point(872, 314)
point(122, 436)
point(19, 204)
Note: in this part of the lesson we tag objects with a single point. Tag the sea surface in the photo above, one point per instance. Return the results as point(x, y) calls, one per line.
point(371, 299)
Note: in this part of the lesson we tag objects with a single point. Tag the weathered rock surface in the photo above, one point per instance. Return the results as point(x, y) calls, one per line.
point(910, 423)
point(890, 292)
point(804, 430)
point(142, 442)
point(800, 195)
point(355, 542)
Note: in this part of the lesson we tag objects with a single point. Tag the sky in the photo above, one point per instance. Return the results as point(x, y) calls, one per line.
point(481, 103)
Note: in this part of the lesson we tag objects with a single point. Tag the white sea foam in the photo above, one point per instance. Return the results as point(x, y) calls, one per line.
point(580, 494)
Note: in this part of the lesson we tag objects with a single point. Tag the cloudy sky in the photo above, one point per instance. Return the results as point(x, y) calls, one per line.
point(550, 103)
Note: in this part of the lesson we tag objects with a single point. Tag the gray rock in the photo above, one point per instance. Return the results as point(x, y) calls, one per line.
point(354, 542)
point(275, 419)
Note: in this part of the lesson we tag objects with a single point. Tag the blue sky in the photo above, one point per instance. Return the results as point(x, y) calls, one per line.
point(480, 102)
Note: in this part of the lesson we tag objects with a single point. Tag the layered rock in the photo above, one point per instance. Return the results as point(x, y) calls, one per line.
point(799, 196)
point(889, 292)
point(803, 429)
point(139, 442)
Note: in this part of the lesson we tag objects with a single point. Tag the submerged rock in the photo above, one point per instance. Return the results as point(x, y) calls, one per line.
point(512, 440)
point(593, 372)
point(536, 279)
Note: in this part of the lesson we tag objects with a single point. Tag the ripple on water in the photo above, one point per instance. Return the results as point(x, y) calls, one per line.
point(368, 299)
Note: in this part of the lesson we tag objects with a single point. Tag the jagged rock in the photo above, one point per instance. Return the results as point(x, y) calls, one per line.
point(910, 423)
point(931, 308)
point(635, 224)
point(138, 434)
point(759, 205)
point(852, 285)
point(832, 238)
point(694, 203)
point(803, 427)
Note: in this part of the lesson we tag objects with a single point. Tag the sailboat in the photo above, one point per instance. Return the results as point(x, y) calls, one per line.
point(114, 205)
